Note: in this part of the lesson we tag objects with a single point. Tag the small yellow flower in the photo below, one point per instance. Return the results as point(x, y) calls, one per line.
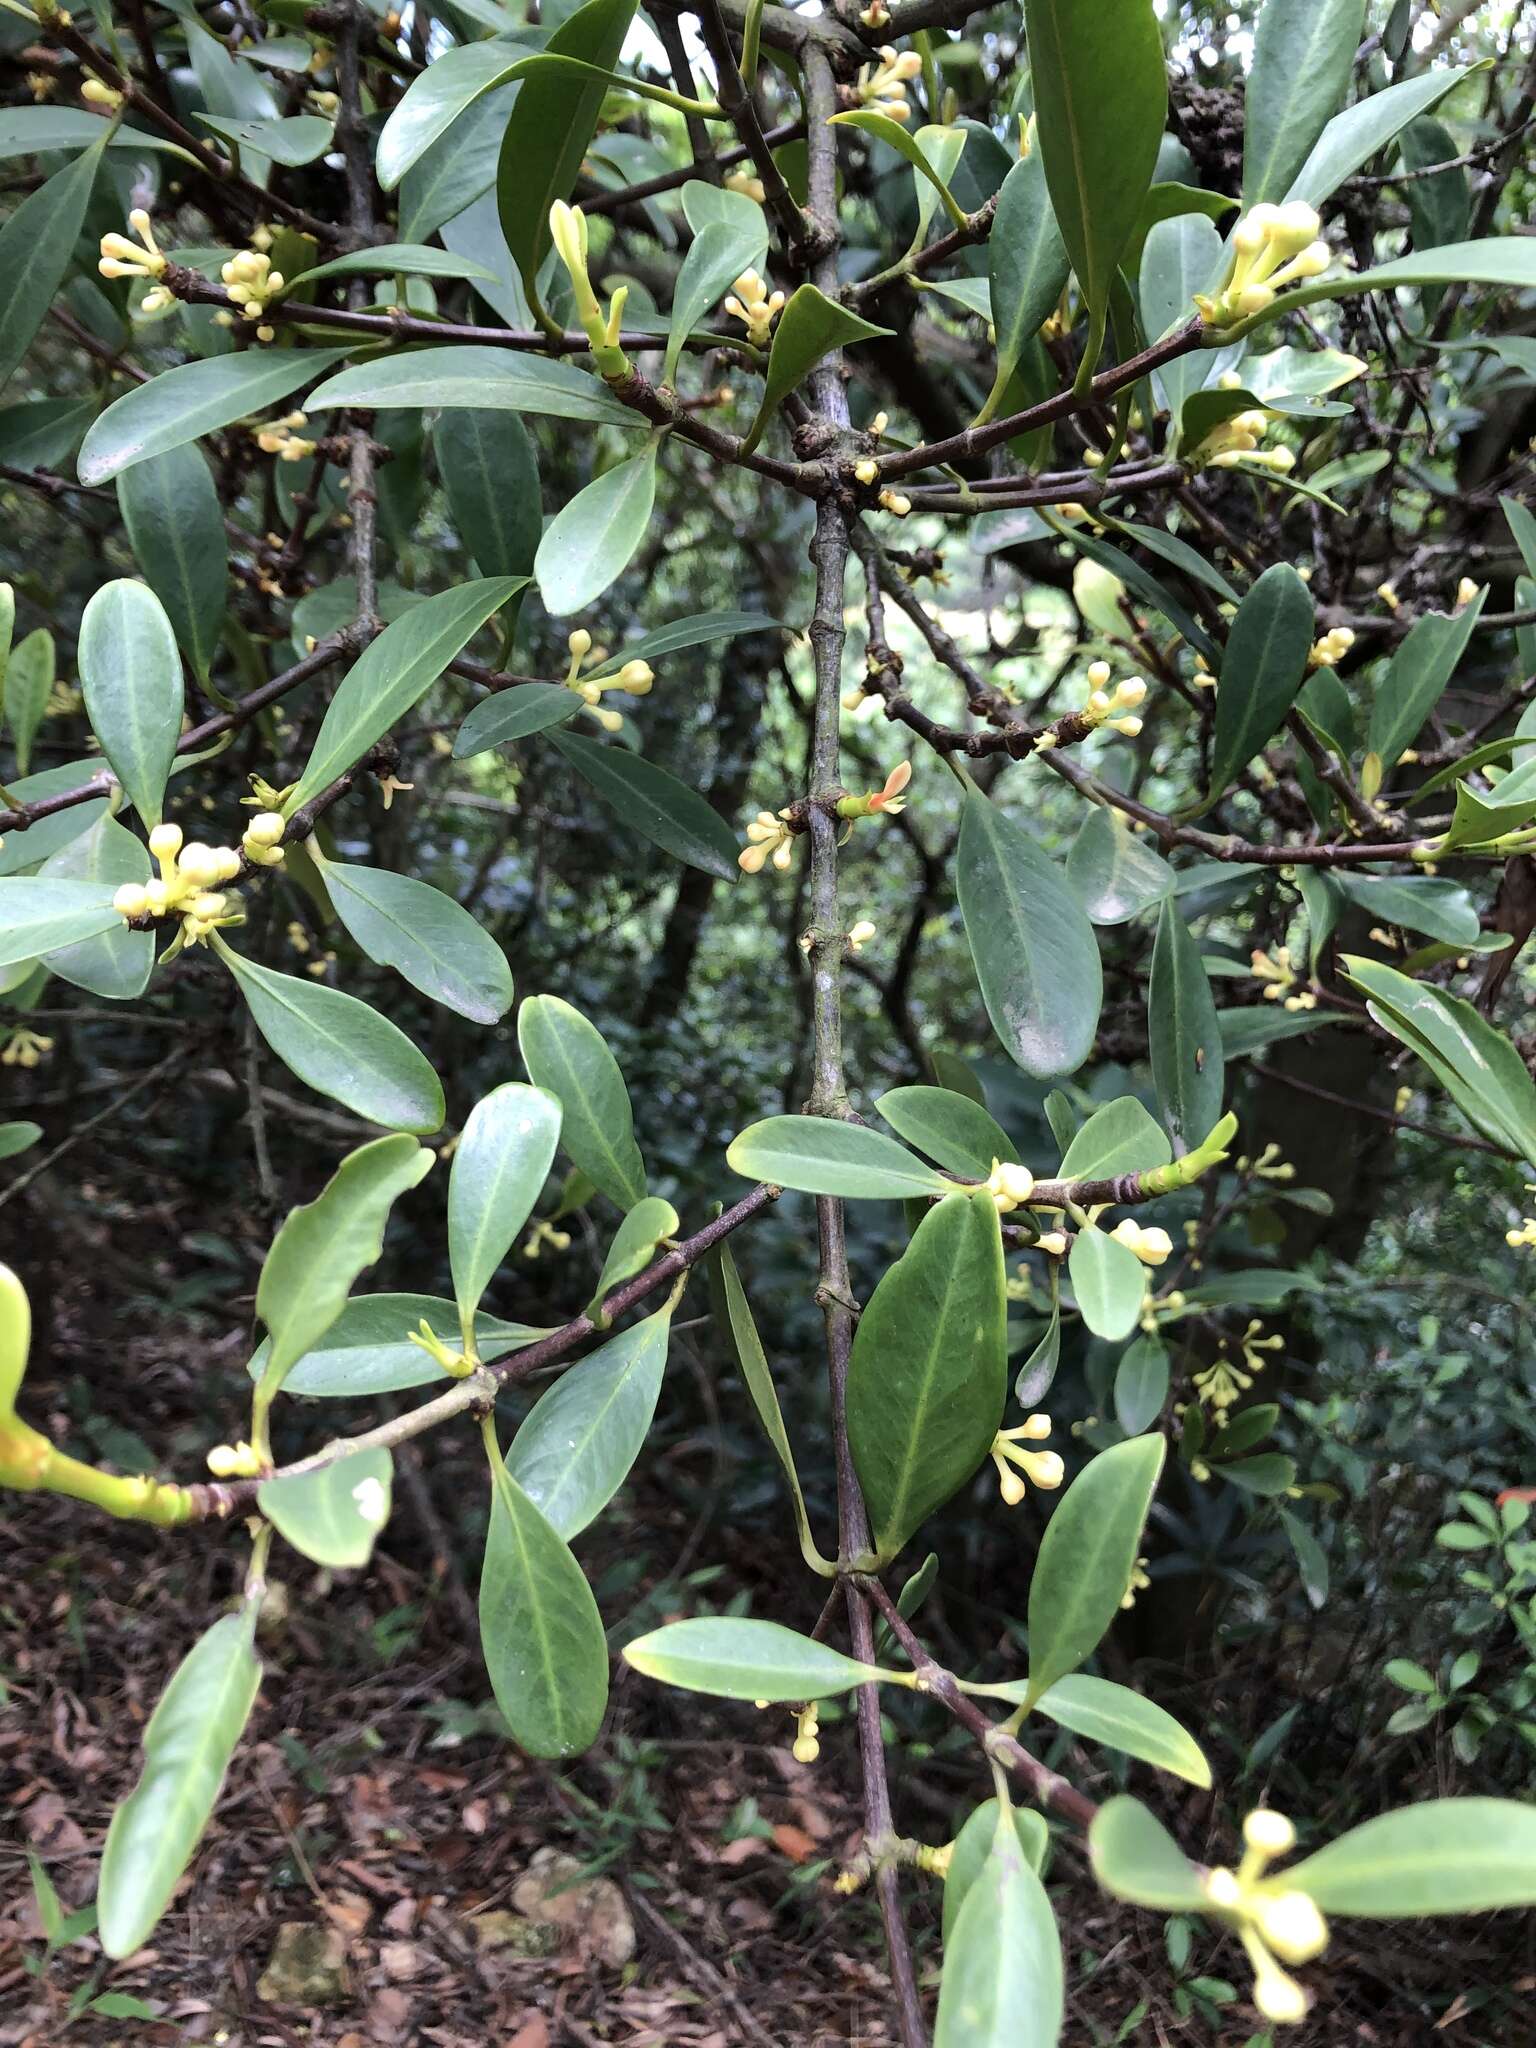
point(1152, 1247)
point(24, 1048)
point(252, 283)
point(897, 503)
point(1331, 649)
point(1271, 1919)
point(768, 838)
point(280, 439)
point(859, 935)
point(755, 307)
point(806, 1747)
point(1009, 1185)
point(1044, 1468)
point(1272, 246)
point(1117, 708)
point(122, 258)
point(884, 85)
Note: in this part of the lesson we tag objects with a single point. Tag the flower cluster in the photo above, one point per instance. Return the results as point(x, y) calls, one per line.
point(543, 1233)
point(1268, 1166)
point(1332, 648)
point(754, 306)
point(190, 874)
point(1275, 1923)
point(745, 183)
point(251, 282)
point(1278, 974)
point(1153, 1247)
point(122, 258)
point(1009, 1185)
point(1237, 440)
point(1044, 1468)
point(768, 838)
point(1272, 246)
point(806, 1747)
point(1223, 1384)
point(884, 85)
point(25, 1048)
point(281, 438)
point(1515, 1239)
point(568, 232)
point(634, 679)
point(1116, 708)
point(1140, 1580)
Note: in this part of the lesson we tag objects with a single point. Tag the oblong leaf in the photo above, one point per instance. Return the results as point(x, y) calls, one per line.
point(193, 399)
point(1003, 1982)
point(468, 374)
point(1264, 666)
point(739, 1659)
point(824, 1156)
point(1108, 1283)
point(1116, 874)
point(567, 1055)
point(1303, 54)
point(37, 246)
point(961, 1135)
point(1123, 1720)
point(130, 676)
point(810, 327)
point(490, 471)
point(514, 715)
point(1120, 1137)
point(176, 526)
point(499, 1168)
point(367, 1350)
point(1187, 1063)
point(655, 804)
point(38, 915)
point(1444, 1856)
point(119, 963)
point(1135, 1858)
point(424, 935)
point(973, 1845)
point(593, 536)
point(1087, 1557)
point(1027, 265)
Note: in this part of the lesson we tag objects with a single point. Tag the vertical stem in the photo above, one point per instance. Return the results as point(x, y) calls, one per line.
point(362, 498)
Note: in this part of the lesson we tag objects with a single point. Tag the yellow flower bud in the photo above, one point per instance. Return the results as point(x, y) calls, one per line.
point(131, 900)
point(165, 841)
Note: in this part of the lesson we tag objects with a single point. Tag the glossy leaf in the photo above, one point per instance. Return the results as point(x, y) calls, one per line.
point(499, 1168)
point(881, 128)
point(291, 140)
point(1179, 258)
point(1264, 666)
point(514, 715)
point(1414, 683)
point(972, 1846)
point(1120, 1137)
point(1303, 55)
point(37, 246)
point(810, 326)
point(1115, 874)
point(592, 538)
point(652, 802)
point(1444, 1856)
point(332, 1516)
point(1421, 903)
point(1108, 1283)
point(644, 1229)
point(1087, 1556)
point(474, 375)
point(928, 1374)
point(1123, 1720)
point(402, 259)
point(491, 474)
point(119, 963)
point(424, 935)
point(1134, 1857)
point(957, 1132)
point(367, 1351)
point(567, 1056)
point(1141, 1384)
point(176, 526)
point(1033, 1380)
point(1027, 266)
point(29, 849)
point(188, 1743)
point(719, 253)
point(1185, 1036)
point(180, 405)
point(824, 1156)
point(130, 676)
point(28, 131)
point(39, 914)
point(1353, 137)
point(739, 1659)
point(1036, 957)
point(695, 631)
point(434, 101)
point(1002, 1985)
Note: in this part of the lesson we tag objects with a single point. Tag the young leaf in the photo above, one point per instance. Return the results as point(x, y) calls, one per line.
point(961, 1135)
point(180, 405)
point(37, 246)
point(1115, 874)
point(929, 1370)
point(176, 526)
point(367, 1349)
point(1422, 903)
point(1120, 1137)
point(1414, 683)
point(973, 1845)
point(130, 675)
point(1036, 956)
point(720, 252)
point(1002, 1982)
point(736, 1659)
point(580, 1439)
point(1109, 1283)
point(1264, 666)
point(823, 1156)
point(592, 538)
point(118, 964)
point(468, 374)
point(332, 1515)
point(1185, 1036)
point(340, 1047)
point(1087, 1557)
point(1303, 54)
point(883, 129)
point(809, 327)
point(1444, 1856)
point(540, 1632)
point(424, 935)
point(514, 715)
point(1123, 1720)
point(188, 1743)
point(38, 915)
point(645, 1227)
point(1141, 1385)
point(499, 1168)
point(1135, 1858)
point(654, 803)
point(1027, 265)
point(1033, 1380)
point(490, 471)
point(568, 1056)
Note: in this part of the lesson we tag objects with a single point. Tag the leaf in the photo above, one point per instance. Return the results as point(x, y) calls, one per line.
point(540, 1632)
point(1002, 1981)
point(130, 675)
point(649, 1224)
point(1187, 1065)
point(367, 1351)
point(1114, 874)
point(19, 1136)
point(1422, 903)
point(118, 964)
point(38, 915)
point(881, 128)
point(1473, 1061)
point(1522, 527)
point(396, 259)
point(720, 252)
point(434, 101)
point(972, 1846)
point(27, 687)
point(1179, 258)
point(19, 850)
point(1354, 137)
point(469, 374)
point(1087, 1556)
point(824, 1156)
point(180, 405)
point(514, 715)
point(291, 140)
point(424, 935)
point(928, 1373)
point(491, 474)
point(1141, 1385)
point(392, 673)
point(323, 1245)
point(176, 528)
point(188, 1743)
point(1414, 683)
point(581, 1437)
point(1108, 1282)
point(340, 1047)
point(593, 537)
point(738, 1659)
point(1265, 1477)
point(499, 1168)
point(1123, 1720)
point(1101, 98)
point(1135, 1858)
point(1120, 1137)
point(1264, 666)
point(332, 1515)
point(1303, 55)
point(1033, 1380)
point(810, 326)
point(37, 246)
point(1244, 1032)
point(1444, 1856)
point(568, 1056)
point(957, 1132)
point(652, 802)
point(1027, 266)
point(30, 131)
point(1036, 957)
point(550, 128)
point(695, 631)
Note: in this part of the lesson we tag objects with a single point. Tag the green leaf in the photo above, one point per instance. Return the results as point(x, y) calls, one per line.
point(340, 1047)
point(1354, 137)
point(499, 1168)
point(824, 1156)
point(1034, 1377)
point(1036, 956)
point(398, 259)
point(568, 1056)
point(37, 246)
point(1027, 266)
point(29, 678)
point(367, 1351)
point(695, 631)
point(652, 802)
point(1123, 1720)
point(130, 675)
point(188, 1743)
point(957, 1132)
point(38, 915)
point(1244, 1032)
point(19, 1136)
point(1444, 1856)
point(1311, 1558)
point(180, 405)
point(738, 1659)
point(514, 715)
point(1187, 1065)
point(1101, 98)
point(176, 527)
point(1265, 1477)
point(1414, 683)
point(810, 326)
point(1141, 1385)
point(30, 131)
point(470, 374)
point(593, 537)
point(1135, 1858)
point(424, 935)
point(323, 1246)
point(1522, 527)
point(333, 1515)
point(1087, 1556)
point(718, 255)
point(491, 473)
point(1303, 55)
point(928, 1374)
point(540, 1632)
point(580, 1439)
point(1115, 874)
point(1108, 1282)
point(1180, 257)
point(291, 140)
point(392, 673)
point(1120, 1137)
point(881, 128)
point(551, 126)
point(649, 1224)
point(1002, 1981)
point(118, 964)
point(31, 848)
point(1422, 903)
point(973, 1845)
point(1264, 666)
point(434, 101)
